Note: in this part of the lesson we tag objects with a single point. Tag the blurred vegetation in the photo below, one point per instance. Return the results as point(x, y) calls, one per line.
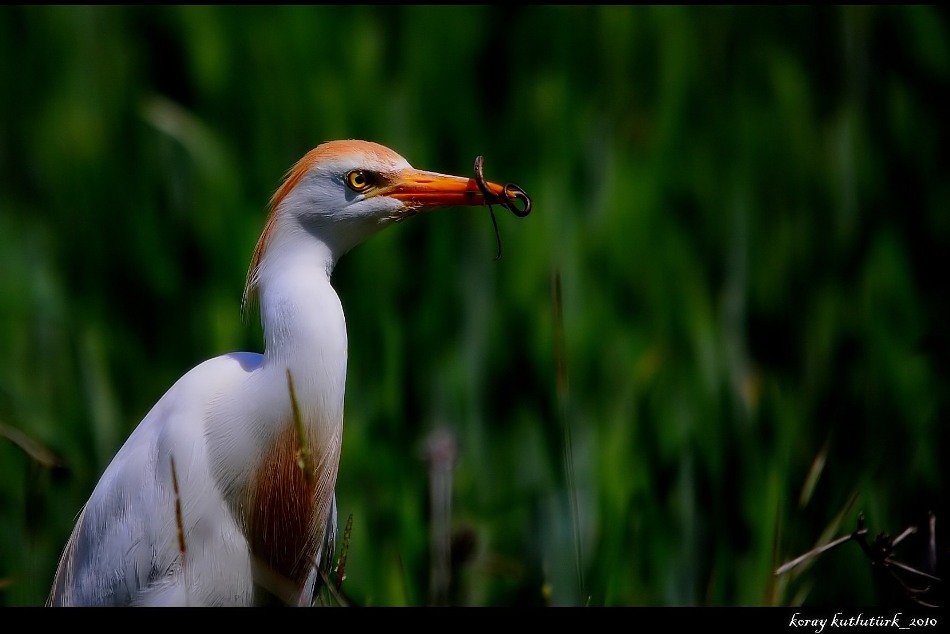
point(745, 208)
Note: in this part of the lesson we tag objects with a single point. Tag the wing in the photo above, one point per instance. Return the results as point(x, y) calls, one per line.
point(114, 551)
point(125, 547)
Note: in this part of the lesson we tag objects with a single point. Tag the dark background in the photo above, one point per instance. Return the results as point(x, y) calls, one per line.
point(747, 210)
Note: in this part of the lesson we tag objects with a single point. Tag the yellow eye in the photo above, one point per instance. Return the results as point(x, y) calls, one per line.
point(357, 180)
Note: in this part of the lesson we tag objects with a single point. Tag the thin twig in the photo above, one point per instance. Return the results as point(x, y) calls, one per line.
point(31, 447)
point(561, 385)
point(304, 456)
point(344, 551)
point(178, 521)
point(814, 553)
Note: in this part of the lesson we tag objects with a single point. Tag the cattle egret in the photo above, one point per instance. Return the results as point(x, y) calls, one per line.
point(211, 501)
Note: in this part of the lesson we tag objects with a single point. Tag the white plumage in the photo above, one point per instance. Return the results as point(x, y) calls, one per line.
point(255, 526)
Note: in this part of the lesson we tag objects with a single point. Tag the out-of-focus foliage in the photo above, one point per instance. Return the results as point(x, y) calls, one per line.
point(748, 210)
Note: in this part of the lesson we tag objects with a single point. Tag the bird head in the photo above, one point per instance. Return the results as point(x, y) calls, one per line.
point(342, 192)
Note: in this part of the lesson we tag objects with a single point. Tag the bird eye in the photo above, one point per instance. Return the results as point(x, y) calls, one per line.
point(357, 180)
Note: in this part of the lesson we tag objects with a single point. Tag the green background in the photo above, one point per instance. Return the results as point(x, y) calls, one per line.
point(747, 210)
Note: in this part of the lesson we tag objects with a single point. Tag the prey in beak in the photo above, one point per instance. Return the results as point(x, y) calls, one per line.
point(420, 190)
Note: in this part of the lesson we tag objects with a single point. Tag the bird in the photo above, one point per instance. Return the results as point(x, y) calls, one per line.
point(224, 493)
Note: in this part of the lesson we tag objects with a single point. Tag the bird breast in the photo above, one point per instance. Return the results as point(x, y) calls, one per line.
point(287, 508)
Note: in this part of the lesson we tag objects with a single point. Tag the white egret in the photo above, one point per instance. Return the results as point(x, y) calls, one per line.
point(220, 496)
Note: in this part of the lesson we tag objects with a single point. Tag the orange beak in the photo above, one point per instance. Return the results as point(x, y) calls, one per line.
point(421, 189)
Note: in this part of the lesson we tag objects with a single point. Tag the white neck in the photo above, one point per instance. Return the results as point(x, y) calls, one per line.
point(304, 326)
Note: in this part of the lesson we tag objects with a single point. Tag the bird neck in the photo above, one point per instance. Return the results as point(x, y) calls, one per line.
point(300, 311)
point(305, 341)
point(304, 328)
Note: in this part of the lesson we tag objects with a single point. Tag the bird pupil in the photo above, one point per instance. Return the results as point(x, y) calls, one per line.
point(357, 180)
